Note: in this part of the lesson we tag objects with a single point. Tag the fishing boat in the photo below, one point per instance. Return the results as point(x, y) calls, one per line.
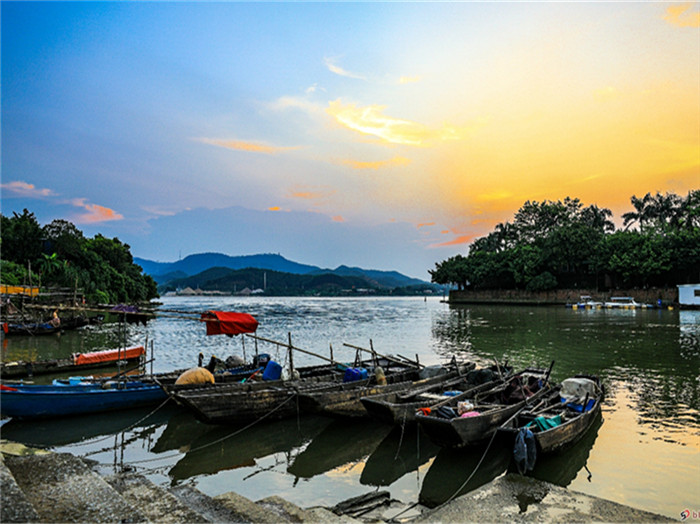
point(50, 327)
point(587, 302)
point(77, 363)
point(347, 400)
point(243, 401)
point(556, 423)
point(465, 423)
point(625, 303)
point(400, 407)
point(75, 397)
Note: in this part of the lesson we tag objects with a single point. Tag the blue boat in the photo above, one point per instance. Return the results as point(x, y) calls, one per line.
point(76, 397)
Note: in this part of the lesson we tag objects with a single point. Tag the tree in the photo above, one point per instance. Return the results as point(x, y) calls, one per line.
point(21, 238)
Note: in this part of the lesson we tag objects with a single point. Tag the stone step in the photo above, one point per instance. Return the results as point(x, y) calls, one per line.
point(245, 510)
point(15, 507)
point(62, 488)
point(208, 507)
point(289, 512)
point(156, 503)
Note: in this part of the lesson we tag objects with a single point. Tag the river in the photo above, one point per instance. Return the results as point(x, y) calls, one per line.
point(644, 452)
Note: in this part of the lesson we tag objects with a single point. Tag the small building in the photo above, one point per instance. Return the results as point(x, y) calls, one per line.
point(689, 295)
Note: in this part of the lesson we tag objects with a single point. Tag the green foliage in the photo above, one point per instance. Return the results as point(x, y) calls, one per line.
point(566, 245)
point(103, 268)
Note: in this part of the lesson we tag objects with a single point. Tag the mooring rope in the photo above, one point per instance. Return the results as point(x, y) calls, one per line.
point(217, 441)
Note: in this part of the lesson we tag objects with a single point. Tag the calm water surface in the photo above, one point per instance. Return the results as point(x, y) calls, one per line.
point(644, 451)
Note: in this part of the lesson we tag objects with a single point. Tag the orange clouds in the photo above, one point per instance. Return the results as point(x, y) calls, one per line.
point(24, 189)
point(251, 147)
point(681, 15)
point(95, 213)
point(457, 241)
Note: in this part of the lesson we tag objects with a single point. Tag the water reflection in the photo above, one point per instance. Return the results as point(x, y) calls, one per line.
point(402, 451)
point(341, 442)
point(455, 472)
point(72, 430)
point(225, 447)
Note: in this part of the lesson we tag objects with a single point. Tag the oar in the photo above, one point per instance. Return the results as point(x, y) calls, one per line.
point(127, 370)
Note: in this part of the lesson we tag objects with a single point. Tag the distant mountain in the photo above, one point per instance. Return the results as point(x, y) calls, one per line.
point(180, 271)
point(193, 264)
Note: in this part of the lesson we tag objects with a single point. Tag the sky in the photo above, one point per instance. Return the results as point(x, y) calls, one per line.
point(380, 135)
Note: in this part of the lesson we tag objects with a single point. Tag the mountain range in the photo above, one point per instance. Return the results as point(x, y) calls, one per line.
point(201, 265)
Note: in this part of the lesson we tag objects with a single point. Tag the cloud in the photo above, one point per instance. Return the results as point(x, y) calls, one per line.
point(425, 224)
point(460, 240)
point(338, 218)
point(95, 213)
point(252, 147)
point(370, 120)
point(334, 68)
point(681, 15)
point(274, 208)
point(396, 161)
point(24, 189)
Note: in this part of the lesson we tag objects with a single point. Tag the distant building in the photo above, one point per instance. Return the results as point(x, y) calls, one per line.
point(689, 295)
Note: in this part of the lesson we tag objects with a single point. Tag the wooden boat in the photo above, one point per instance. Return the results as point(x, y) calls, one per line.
point(48, 328)
point(78, 363)
point(446, 427)
point(74, 397)
point(399, 407)
point(560, 420)
point(234, 402)
point(346, 400)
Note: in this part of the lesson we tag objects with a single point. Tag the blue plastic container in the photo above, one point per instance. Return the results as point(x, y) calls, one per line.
point(273, 371)
point(354, 374)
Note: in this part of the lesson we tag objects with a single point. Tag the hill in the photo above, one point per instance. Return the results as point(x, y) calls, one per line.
point(169, 273)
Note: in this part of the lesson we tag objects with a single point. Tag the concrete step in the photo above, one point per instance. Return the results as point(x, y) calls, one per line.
point(210, 508)
point(288, 512)
point(155, 502)
point(245, 510)
point(15, 507)
point(62, 488)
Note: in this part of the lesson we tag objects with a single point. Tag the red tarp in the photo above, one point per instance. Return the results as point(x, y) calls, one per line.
point(109, 355)
point(229, 323)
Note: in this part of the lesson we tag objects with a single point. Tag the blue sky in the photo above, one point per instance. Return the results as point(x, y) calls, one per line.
point(381, 135)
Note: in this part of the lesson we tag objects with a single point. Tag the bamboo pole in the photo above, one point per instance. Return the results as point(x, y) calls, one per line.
point(289, 345)
point(395, 360)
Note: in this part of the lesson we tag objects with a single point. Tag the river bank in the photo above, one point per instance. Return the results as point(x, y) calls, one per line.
point(560, 297)
point(39, 486)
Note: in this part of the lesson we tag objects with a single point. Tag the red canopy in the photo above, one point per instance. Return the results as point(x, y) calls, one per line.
point(229, 323)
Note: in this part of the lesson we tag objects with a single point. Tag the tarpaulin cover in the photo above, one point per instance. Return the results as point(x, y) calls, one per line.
point(109, 355)
point(229, 323)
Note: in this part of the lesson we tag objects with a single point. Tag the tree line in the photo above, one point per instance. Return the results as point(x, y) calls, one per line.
point(564, 245)
point(59, 255)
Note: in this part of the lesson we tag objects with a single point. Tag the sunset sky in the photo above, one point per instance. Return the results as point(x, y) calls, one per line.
point(380, 135)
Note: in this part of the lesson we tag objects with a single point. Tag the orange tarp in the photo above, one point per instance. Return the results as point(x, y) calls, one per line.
point(30, 291)
point(109, 355)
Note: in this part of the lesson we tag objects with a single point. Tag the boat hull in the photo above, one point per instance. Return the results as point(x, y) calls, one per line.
point(30, 402)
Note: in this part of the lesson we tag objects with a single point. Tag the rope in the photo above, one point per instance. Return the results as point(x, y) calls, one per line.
point(218, 440)
point(75, 444)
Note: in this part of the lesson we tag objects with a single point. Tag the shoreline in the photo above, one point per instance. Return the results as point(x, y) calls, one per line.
point(42, 486)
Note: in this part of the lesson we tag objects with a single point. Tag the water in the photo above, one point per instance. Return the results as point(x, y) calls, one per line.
point(644, 451)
